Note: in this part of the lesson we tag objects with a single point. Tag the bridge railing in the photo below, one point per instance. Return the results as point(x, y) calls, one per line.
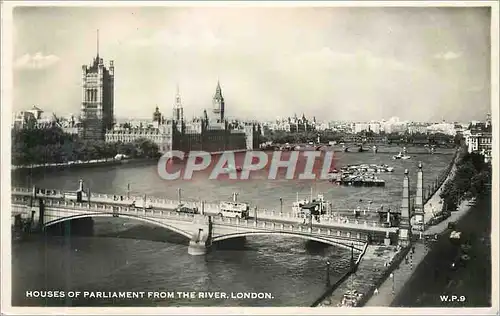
point(209, 207)
point(20, 190)
point(114, 209)
point(325, 220)
point(354, 237)
point(295, 227)
point(160, 202)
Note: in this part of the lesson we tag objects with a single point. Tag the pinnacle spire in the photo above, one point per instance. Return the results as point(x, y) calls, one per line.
point(178, 102)
point(97, 40)
point(218, 91)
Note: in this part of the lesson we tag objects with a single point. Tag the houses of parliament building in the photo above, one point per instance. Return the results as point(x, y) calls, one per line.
point(211, 132)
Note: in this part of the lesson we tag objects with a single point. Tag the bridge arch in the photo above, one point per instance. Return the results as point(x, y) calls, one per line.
point(328, 241)
point(127, 216)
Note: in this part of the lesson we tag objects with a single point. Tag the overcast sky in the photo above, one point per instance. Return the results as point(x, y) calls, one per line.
point(332, 63)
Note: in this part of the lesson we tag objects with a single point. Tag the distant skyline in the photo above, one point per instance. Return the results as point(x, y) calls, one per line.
point(358, 64)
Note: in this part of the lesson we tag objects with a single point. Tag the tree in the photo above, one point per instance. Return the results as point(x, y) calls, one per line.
point(470, 180)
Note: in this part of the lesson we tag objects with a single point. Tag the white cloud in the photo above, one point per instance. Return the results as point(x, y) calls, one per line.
point(448, 55)
point(36, 61)
point(177, 40)
point(362, 61)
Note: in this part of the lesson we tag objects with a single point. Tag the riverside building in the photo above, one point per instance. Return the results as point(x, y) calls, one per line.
point(478, 138)
point(97, 108)
point(211, 132)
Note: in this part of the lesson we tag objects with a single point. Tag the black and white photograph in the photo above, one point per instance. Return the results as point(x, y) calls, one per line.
point(258, 157)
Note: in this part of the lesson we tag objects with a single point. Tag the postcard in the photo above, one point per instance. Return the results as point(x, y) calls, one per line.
point(249, 157)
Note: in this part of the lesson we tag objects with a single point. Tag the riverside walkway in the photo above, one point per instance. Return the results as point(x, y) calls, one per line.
point(379, 261)
point(388, 290)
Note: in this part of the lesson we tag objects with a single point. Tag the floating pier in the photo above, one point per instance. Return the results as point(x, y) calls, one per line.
point(360, 182)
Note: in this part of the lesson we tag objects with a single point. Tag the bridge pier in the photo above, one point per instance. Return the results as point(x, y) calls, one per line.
point(36, 216)
point(201, 239)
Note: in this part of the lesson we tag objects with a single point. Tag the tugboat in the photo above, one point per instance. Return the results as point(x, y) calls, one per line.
point(401, 156)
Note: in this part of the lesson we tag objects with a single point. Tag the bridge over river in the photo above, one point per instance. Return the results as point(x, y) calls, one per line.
point(202, 229)
point(47, 207)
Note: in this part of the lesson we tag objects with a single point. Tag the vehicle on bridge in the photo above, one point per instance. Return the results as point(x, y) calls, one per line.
point(320, 201)
point(315, 208)
point(188, 210)
point(140, 204)
point(234, 209)
point(77, 196)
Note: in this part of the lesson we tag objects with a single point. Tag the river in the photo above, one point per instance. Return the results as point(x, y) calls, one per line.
point(152, 259)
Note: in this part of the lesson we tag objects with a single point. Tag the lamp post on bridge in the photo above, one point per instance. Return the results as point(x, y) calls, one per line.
point(128, 191)
point(352, 263)
point(179, 195)
point(310, 221)
point(281, 206)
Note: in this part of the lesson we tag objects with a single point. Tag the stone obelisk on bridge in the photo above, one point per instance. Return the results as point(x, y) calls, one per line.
point(404, 224)
point(418, 211)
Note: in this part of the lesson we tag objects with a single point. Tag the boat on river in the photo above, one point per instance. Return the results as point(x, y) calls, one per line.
point(364, 168)
point(401, 156)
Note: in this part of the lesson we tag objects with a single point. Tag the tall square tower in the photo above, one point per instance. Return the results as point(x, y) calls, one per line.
point(97, 108)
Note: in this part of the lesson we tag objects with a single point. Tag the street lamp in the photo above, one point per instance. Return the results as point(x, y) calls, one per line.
point(310, 221)
point(352, 257)
point(392, 276)
point(179, 195)
point(328, 273)
point(281, 206)
point(128, 191)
